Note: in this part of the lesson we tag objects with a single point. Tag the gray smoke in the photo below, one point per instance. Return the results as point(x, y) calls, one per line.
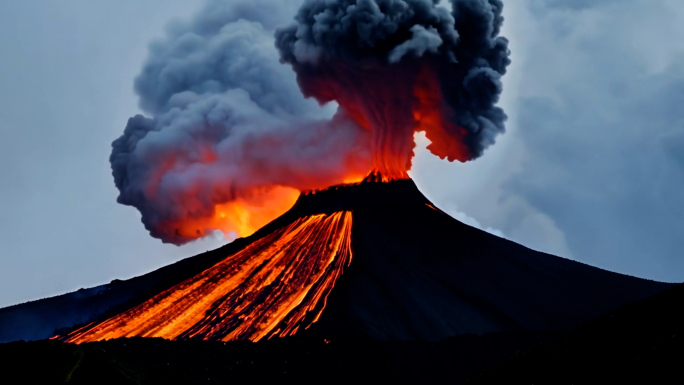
point(227, 122)
point(461, 47)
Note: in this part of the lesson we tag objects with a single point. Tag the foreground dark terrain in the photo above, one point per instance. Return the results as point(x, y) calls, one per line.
point(290, 360)
point(641, 343)
point(638, 343)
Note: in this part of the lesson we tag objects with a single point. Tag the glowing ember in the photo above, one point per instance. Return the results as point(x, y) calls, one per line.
point(274, 287)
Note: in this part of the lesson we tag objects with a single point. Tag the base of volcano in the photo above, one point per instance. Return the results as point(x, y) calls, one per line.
point(638, 343)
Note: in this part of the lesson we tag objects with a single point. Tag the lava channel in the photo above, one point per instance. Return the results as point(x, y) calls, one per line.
point(275, 286)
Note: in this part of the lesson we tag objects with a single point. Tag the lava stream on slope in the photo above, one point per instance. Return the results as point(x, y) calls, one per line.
point(273, 287)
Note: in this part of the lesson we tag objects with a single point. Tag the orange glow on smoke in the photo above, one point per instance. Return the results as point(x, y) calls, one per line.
point(242, 217)
point(393, 104)
point(354, 179)
point(273, 287)
point(432, 115)
point(378, 101)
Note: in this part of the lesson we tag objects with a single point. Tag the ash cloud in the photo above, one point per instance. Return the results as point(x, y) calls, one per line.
point(461, 47)
point(227, 121)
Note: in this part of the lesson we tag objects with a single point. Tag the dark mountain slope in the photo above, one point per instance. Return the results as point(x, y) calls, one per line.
point(416, 274)
point(282, 361)
point(641, 343)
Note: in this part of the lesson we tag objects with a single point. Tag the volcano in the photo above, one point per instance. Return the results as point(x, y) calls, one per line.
point(374, 260)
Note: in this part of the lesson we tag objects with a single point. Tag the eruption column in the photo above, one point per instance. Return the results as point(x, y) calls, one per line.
point(233, 134)
point(403, 66)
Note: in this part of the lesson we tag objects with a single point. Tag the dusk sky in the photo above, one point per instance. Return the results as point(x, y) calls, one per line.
point(591, 167)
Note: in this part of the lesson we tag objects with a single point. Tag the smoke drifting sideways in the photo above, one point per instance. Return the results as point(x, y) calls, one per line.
point(234, 135)
point(402, 66)
point(231, 141)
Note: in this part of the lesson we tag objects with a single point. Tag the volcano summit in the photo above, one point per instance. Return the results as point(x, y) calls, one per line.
point(372, 260)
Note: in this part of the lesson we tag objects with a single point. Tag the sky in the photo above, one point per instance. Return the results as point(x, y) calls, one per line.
point(591, 167)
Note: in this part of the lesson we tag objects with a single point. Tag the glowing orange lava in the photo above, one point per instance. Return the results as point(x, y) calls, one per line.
point(241, 217)
point(353, 179)
point(275, 286)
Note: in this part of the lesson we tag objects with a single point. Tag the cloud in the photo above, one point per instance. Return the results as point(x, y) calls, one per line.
point(601, 123)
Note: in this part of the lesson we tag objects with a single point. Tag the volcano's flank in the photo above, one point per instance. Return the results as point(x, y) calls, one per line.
point(372, 260)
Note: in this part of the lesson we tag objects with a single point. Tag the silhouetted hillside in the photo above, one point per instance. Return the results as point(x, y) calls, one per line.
point(280, 361)
point(641, 343)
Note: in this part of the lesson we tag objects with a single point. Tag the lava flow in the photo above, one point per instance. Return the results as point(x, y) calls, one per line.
point(275, 286)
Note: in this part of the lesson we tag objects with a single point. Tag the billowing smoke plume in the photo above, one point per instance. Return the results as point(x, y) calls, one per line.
point(401, 66)
point(231, 138)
